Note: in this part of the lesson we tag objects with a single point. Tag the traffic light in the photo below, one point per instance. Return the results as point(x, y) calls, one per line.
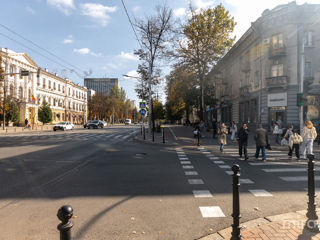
point(38, 73)
point(300, 99)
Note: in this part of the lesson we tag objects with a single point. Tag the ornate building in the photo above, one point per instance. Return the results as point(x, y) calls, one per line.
point(259, 79)
point(67, 100)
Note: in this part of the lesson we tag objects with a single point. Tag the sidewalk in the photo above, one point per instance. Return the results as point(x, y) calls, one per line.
point(45, 128)
point(279, 227)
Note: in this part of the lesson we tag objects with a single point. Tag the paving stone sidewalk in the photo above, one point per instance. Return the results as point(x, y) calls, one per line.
point(288, 226)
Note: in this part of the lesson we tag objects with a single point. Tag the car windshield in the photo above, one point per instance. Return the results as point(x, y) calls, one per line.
point(61, 123)
point(95, 121)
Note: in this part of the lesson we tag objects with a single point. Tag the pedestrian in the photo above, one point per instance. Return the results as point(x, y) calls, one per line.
point(222, 132)
point(261, 139)
point(294, 143)
point(309, 134)
point(214, 128)
point(26, 122)
point(196, 130)
point(287, 136)
point(202, 127)
point(243, 135)
point(233, 130)
point(276, 132)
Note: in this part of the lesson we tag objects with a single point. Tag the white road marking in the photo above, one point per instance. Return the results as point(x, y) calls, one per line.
point(262, 163)
point(260, 193)
point(214, 158)
point(200, 148)
point(218, 162)
point(187, 167)
point(195, 181)
point(182, 155)
point(298, 178)
point(229, 172)
point(117, 136)
point(210, 155)
point(209, 212)
point(185, 162)
point(181, 152)
point(277, 170)
point(191, 173)
point(173, 134)
point(206, 152)
point(201, 193)
point(184, 158)
point(224, 166)
point(245, 181)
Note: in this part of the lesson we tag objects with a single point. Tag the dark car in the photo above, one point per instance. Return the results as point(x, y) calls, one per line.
point(86, 124)
point(95, 124)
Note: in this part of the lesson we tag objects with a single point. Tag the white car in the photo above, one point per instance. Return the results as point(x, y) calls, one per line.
point(127, 122)
point(63, 126)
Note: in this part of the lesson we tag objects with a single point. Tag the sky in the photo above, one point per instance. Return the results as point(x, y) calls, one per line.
point(95, 36)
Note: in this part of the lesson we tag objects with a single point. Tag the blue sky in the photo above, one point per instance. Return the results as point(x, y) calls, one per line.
point(96, 35)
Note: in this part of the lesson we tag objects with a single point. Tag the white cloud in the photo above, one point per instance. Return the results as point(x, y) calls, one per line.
point(133, 74)
point(68, 40)
point(128, 56)
point(204, 4)
point(64, 6)
point(136, 8)
point(98, 12)
point(179, 12)
point(85, 51)
point(30, 10)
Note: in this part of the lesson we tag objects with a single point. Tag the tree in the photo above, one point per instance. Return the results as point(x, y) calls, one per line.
point(154, 34)
point(45, 113)
point(207, 35)
point(12, 111)
point(158, 110)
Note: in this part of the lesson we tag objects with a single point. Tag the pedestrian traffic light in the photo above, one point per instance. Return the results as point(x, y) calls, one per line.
point(24, 73)
point(300, 99)
point(38, 73)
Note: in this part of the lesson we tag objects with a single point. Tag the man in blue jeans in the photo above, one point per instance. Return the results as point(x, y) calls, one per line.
point(261, 139)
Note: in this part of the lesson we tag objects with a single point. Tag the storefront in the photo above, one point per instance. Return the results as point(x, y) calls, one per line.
point(277, 105)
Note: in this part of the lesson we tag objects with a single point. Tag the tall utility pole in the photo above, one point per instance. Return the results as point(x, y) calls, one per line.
point(150, 97)
point(5, 92)
point(301, 78)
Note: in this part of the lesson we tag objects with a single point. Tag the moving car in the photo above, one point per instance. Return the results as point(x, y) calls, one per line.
point(86, 124)
point(95, 124)
point(127, 121)
point(63, 126)
point(105, 124)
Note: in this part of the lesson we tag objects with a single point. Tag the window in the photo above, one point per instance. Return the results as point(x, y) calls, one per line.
point(11, 69)
point(256, 78)
point(69, 92)
point(59, 87)
point(63, 89)
point(308, 69)
point(49, 84)
point(54, 85)
point(308, 39)
point(44, 83)
point(38, 81)
point(277, 70)
point(20, 92)
point(277, 41)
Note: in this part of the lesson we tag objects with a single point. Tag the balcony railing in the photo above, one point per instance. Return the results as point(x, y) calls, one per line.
point(275, 82)
point(244, 91)
point(277, 52)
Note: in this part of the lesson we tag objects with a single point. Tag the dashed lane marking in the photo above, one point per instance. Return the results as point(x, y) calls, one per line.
point(229, 172)
point(187, 167)
point(278, 170)
point(184, 158)
point(245, 181)
point(191, 173)
point(224, 166)
point(218, 162)
point(185, 162)
point(260, 193)
point(201, 193)
point(195, 181)
point(298, 178)
point(211, 212)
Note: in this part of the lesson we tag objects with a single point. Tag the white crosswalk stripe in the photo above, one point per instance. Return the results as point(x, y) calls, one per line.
point(211, 212)
point(260, 193)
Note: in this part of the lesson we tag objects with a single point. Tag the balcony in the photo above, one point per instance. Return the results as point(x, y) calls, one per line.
point(277, 52)
point(277, 82)
point(244, 91)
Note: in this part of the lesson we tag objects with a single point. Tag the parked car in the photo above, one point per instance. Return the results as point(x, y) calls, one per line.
point(127, 121)
point(95, 124)
point(63, 126)
point(86, 124)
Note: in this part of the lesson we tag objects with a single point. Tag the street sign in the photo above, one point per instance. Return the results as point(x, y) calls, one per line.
point(24, 73)
point(143, 112)
point(142, 105)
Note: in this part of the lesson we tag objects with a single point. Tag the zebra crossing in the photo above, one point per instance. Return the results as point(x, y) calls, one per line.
point(124, 135)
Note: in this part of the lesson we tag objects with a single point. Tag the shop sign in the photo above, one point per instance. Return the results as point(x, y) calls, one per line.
point(277, 99)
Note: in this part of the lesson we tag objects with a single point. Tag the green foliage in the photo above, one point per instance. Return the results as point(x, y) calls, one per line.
point(12, 113)
point(158, 110)
point(45, 113)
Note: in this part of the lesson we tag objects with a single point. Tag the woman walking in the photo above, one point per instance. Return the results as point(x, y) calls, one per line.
point(309, 134)
point(287, 136)
point(223, 131)
point(233, 130)
point(294, 143)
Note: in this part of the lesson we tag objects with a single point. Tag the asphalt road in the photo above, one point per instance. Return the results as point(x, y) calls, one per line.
point(122, 188)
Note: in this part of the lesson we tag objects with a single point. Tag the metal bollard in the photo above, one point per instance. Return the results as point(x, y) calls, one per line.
point(152, 134)
point(311, 223)
point(144, 133)
point(64, 214)
point(163, 139)
point(236, 235)
point(198, 136)
point(141, 130)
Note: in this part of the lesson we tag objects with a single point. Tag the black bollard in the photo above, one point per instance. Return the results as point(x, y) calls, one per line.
point(141, 130)
point(163, 139)
point(64, 214)
point(198, 136)
point(236, 235)
point(311, 223)
point(144, 133)
point(152, 134)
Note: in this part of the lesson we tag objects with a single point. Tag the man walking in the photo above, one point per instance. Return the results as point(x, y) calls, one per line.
point(261, 139)
point(243, 141)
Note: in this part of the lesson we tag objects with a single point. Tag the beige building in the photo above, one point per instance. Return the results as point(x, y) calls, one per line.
point(279, 56)
point(67, 100)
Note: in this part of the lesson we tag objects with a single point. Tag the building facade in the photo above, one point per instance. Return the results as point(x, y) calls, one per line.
point(101, 85)
point(259, 78)
point(67, 100)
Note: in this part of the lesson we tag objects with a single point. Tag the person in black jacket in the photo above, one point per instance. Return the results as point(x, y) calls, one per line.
point(243, 135)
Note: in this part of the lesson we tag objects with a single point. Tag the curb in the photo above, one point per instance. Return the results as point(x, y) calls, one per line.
point(290, 217)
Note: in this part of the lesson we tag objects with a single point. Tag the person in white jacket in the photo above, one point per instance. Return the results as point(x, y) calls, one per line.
point(233, 130)
point(309, 134)
point(294, 143)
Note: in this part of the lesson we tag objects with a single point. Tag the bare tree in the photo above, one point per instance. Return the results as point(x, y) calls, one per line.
point(155, 32)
